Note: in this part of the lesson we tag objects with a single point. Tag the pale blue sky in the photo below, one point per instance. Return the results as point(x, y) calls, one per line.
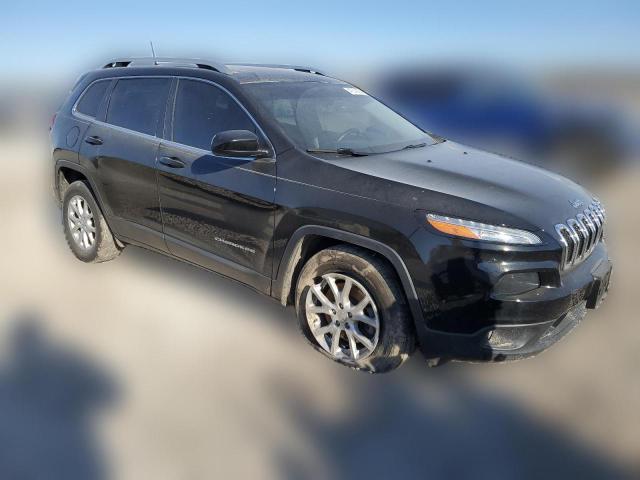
point(72, 35)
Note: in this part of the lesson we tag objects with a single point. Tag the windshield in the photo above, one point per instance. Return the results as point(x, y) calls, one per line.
point(319, 116)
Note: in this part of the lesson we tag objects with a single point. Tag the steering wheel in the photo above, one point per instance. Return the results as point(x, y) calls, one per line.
point(352, 132)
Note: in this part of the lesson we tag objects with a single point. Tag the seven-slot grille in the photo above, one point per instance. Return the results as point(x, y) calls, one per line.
point(581, 234)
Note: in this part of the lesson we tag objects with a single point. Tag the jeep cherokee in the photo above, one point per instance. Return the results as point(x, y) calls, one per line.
point(309, 190)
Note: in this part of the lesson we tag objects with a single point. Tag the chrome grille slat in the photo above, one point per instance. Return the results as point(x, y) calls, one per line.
point(594, 218)
point(598, 222)
point(576, 242)
point(580, 235)
point(584, 219)
point(565, 242)
point(601, 213)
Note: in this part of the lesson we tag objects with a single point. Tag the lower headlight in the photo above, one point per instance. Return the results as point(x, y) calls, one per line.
point(482, 231)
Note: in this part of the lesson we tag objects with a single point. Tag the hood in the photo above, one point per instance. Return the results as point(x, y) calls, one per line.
point(452, 179)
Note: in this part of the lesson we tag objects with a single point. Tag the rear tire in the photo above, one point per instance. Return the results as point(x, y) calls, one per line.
point(377, 337)
point(85, 228)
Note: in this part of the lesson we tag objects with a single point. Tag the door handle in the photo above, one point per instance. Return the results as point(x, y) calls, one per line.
point(172, 162)
point(93, 140)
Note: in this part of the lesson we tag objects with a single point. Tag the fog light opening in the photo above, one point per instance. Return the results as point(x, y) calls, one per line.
point(506, 338)
point(517, 283)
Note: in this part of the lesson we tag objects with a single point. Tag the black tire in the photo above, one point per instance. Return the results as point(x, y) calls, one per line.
point(104, 246)
point(396, 339)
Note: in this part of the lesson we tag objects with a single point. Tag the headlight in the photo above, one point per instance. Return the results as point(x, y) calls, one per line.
point(481, 231)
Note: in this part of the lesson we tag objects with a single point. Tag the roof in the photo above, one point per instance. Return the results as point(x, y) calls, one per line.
point(250, 73)
point(241, 72)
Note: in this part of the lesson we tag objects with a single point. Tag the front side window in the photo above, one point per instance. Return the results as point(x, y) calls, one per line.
point(202, 110)
point(328, 116)
point(92, 97)
point(138, 103)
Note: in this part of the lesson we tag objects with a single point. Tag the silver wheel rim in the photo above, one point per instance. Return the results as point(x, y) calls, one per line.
point(81, 222)
point(342, 317)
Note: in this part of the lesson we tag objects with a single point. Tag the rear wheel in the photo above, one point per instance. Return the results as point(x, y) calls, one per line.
point(351, 308)
point(85, 228)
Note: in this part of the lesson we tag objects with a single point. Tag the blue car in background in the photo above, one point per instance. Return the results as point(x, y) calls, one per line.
point(502, 113)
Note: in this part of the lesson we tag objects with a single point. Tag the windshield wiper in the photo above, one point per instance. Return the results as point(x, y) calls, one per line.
point(415, 145)
point(339, 151)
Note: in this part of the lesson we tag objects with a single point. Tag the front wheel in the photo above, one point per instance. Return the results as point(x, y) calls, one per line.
point(351, 308)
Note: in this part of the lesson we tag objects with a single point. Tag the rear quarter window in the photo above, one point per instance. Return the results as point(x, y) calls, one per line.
point(92, 97)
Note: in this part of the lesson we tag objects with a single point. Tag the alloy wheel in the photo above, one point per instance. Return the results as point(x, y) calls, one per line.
point(81, 222)
point(342, 317)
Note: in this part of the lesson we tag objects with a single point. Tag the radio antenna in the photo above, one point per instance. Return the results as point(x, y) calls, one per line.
point(153, 52)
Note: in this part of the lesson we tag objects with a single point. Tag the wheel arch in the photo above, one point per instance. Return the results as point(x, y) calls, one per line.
point(309, 239)
point(71, 172)
point(67, 172)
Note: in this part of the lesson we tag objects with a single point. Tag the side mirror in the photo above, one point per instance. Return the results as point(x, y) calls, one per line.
point(237, 143)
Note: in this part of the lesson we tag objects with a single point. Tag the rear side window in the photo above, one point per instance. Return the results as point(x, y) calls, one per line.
point(92, 97)
point(138, 103)
point(202, 110)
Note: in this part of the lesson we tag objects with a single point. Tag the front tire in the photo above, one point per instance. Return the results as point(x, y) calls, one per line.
point(85, 228)
point(351, 308)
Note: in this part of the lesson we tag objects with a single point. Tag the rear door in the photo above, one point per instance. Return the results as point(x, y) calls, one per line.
point(68, 133)
point(121, 149)
point(218, 212)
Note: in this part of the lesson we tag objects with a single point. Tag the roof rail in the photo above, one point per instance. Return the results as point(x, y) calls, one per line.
point(298, 68)
point(167, 62)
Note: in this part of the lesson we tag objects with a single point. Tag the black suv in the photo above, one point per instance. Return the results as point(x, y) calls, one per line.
point(307, 189)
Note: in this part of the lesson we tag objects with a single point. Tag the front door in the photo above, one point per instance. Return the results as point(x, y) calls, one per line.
point(217, 212)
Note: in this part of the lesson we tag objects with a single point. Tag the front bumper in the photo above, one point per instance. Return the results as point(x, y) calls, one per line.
point(465, 319)
point(503, 342)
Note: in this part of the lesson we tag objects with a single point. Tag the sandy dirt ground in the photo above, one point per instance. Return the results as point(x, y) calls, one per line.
point(145, 367)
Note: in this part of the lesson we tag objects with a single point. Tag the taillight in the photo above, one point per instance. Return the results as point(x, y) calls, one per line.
point(53, 120)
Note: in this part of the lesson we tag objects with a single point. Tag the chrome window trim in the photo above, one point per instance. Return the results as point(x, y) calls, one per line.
point(75, 113)
point(127, 130)
point(83, 116)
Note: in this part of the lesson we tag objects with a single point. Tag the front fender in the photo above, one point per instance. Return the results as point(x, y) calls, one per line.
point(282, 284)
